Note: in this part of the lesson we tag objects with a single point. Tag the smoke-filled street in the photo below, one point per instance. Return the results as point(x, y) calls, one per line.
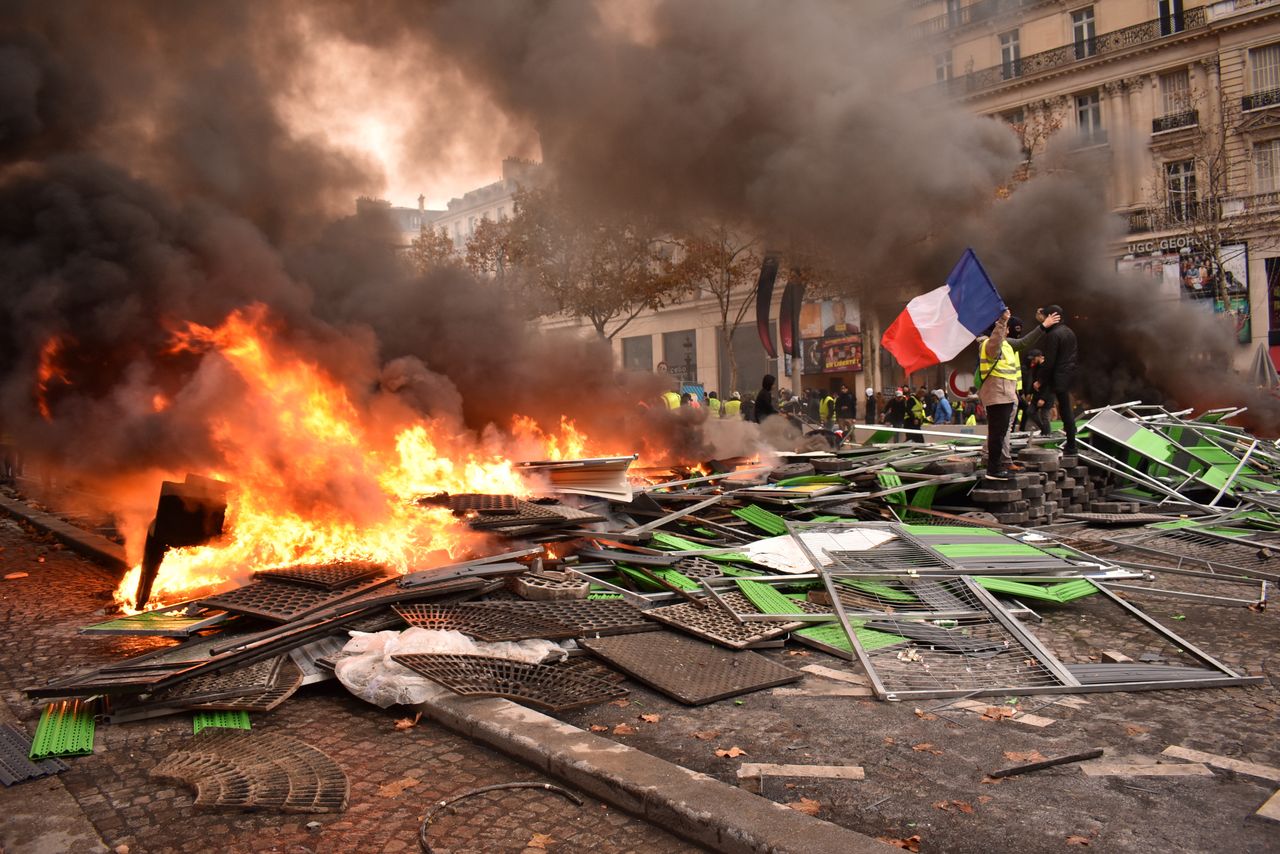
point(763, 427)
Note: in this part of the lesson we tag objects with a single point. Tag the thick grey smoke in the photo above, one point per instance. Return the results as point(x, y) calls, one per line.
point(789, 116)
point(148, 177)
point(793, 117)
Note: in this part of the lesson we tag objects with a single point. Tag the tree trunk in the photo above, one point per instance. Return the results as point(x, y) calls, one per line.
point(727, 333)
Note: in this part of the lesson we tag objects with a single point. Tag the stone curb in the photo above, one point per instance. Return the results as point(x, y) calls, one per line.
point(693, 806)
point(87, 543)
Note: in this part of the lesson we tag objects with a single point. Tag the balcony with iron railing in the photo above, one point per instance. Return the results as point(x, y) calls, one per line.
point(974, 13)
point(1175, 121)
point(1262, 201)
point(1082, 51)
point(1261, 100)
point(1175, 214)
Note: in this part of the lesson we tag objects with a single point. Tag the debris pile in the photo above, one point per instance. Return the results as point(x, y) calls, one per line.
point(900, 557)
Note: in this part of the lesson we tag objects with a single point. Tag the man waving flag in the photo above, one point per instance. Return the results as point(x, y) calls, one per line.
point(938, 325)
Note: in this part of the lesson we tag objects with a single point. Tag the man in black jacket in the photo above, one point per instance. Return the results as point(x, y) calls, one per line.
point(764, 399)
point(846, 408)
point(1058, 372)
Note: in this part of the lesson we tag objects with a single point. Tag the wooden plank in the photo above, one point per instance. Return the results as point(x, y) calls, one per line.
point(1125, 769)
point(1247, 769)
point(750, 774)
point(824, 691)
point(1047, 763)
point(979, 708)
point(1271, 809)
point(838, 675)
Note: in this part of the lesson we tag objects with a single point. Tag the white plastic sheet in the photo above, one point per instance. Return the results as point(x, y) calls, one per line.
point(366, 669)
point(783, 554)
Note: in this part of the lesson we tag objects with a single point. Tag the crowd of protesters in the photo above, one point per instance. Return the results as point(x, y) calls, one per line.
point(1022, 382)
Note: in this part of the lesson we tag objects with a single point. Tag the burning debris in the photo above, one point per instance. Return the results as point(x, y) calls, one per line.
point(895, 556)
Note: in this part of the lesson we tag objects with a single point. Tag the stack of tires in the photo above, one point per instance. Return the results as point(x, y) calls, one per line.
point(1049, 485)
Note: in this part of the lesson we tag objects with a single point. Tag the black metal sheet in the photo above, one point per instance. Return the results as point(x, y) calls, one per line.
point(585, 617)
point(549, 687)
point(327, 576)
point(691, 671)
point(15, 766)
point(717, 625)
point(485, 622)
point(281, 602)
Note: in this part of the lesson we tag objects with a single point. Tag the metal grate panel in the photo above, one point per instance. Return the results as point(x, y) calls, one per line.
point(555, 689)
point(327, 576)
point(895, 556)
point(586, 617)
point(524, 514)
point(698, 567)
point(1255, 559)
point(250, 679)
point(229, 768)
point(287, 682)
point(1118, 518)
point(15, 766)
point(483, 504)
point(985, 652)
point(282, 602)
point(716, 624)
point(485, 622)
point(689, 670)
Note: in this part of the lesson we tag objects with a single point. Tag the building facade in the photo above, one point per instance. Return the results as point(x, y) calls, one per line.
point(1180, 100)
point(408, 222)
point(494, 202)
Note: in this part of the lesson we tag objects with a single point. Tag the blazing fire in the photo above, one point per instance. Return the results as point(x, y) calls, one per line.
point(569, 445)
point(48, 372)
point(317, 477)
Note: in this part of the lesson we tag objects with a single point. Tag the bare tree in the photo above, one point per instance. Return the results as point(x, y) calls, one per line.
point(606, 268)
point(724, 263)
point(1033, 125)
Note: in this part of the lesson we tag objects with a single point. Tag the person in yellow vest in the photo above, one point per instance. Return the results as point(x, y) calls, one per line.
point(733, 406)
point(671, 399)
point(1000, 374)
point(827, 410)
point(713, 404)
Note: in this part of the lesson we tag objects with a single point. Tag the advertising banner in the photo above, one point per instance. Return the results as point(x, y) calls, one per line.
point(1191, 274)
point(831, 335)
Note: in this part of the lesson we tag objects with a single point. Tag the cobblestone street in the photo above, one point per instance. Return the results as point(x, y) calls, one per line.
point(924, 761)
point(395, 775)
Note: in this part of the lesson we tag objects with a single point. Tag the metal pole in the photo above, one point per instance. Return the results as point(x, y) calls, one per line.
point(1234, 473)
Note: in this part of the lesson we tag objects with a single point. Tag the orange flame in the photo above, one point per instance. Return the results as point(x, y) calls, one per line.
point(49, 372)
point(571, 444)
point(317, 477)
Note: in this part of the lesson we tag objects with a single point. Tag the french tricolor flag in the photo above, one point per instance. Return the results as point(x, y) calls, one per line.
point(937, 326)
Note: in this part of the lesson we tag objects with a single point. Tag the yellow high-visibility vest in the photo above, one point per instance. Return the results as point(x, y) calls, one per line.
point(1007, 367)
point(826, 408)
point(672, 399)
point(732, 408)
point(713, 403)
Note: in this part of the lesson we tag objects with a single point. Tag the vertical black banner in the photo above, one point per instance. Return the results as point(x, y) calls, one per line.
point(764, 298)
